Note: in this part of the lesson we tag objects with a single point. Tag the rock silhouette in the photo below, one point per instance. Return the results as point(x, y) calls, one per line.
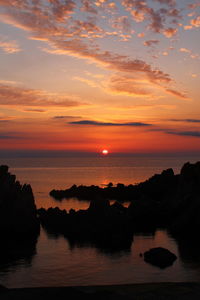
point(160, 257)
point(18, 214)
point(102, 225)
point(19, 225)
point(120, 192)
point(165, 200)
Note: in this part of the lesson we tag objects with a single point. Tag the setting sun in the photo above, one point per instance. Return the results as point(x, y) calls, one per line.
point(105, 152)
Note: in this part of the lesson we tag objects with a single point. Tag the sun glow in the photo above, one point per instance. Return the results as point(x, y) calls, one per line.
point(105, 152)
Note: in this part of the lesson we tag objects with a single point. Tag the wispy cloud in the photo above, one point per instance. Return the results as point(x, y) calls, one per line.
point(12, 95)
point(186, 120)
point(10, 136)
point(54, 22)
point(66, 117)
point(185, 133)
point(96, 123)
point(138, 86)
point(9, 46)
point(177, 94)
point(34, 110)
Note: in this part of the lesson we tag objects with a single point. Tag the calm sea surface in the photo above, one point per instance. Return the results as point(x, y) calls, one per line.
point(55, 262)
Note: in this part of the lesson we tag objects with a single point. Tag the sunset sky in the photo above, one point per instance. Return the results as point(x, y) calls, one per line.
point(82, 75)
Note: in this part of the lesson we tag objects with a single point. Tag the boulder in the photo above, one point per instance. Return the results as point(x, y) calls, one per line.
point(159, 257)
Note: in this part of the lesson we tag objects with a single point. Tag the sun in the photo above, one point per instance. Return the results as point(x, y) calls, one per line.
point(104, 152)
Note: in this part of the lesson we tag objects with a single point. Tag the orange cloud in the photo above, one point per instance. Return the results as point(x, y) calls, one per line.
point(195, 22)
point(69, 36)
point(185, 50)
point(170, 32)
point(12, 95)
point(177, 94)
point(8, 46)
point(129, 85)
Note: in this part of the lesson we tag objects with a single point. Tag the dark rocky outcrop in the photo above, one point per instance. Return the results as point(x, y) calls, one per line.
point(18, 214)
point(160, 257)
point(186, 210)
point(165, 200)
point(169, 201)
point(120, 192)
point(102, 225)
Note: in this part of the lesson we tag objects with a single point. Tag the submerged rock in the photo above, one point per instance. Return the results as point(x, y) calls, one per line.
point(160, 257)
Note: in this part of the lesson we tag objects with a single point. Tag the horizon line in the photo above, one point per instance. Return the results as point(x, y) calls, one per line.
point(9, 153)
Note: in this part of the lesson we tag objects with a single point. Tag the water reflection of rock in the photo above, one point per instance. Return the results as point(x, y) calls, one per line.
point(15, 251)
point(189, 250)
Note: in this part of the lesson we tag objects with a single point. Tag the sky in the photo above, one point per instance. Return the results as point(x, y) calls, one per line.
point(80, 75)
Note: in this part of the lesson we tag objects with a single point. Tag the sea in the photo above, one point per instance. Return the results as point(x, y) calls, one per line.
point(54, 262)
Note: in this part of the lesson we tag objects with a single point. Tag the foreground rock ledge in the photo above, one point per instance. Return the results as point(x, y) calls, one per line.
point(153, 291)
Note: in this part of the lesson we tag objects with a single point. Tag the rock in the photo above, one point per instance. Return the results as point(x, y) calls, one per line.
point(18, 215)
point(165, 200)
point(101, 225)
point(186, 210)
point(118, 207)
point(99, 206)
point(160, 257)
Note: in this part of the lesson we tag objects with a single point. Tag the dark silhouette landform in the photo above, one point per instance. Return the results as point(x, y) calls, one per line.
point(120, 192)
point(19, 224)
point(165, 201)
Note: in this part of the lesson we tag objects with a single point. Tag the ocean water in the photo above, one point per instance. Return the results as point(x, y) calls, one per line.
point(55, 262)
